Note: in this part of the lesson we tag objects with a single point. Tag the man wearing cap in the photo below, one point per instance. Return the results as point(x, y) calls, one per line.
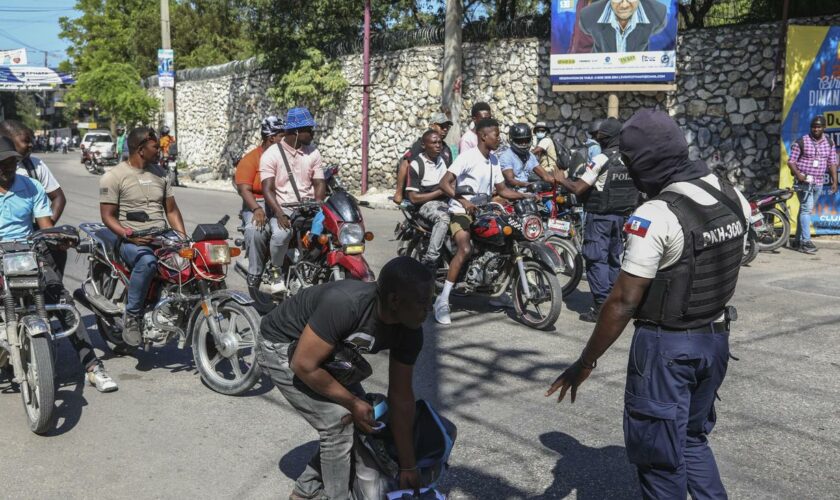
point(249, 186)
point(440, 124)
point(810, 157)
point(680, 270)
point(545, 149)
point(608, 197)
point(291, 172)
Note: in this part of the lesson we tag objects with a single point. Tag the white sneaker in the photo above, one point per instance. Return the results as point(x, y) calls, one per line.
point(502, 300)
point(99, 378)
point(442, 313)
point(278, 287)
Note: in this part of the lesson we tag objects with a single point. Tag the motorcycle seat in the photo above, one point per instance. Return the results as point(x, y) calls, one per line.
point(775, 193)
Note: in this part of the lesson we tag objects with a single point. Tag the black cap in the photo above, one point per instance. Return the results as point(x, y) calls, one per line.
point(818, 120)
point(7, 149)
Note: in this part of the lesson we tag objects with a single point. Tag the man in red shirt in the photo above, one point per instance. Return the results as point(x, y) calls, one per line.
point(249, 186)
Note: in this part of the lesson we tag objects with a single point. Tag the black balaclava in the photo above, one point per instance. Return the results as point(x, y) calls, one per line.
point(656, 153)
point(607, 135)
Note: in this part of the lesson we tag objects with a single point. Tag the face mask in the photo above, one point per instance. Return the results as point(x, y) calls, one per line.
point(540, 135)
point(594, 149)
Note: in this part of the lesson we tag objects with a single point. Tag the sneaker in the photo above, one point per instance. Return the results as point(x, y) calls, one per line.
point(442, 313)
point(253, 281)
point(277, 287)
point(100, 379)
point(591, 316)
point(502, 300)
point(132, 332)
point(808, 247)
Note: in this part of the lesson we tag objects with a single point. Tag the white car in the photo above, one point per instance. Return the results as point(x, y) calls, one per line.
point(100, 141)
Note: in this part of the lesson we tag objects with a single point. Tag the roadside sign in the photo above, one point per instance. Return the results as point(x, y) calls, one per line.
point(166, 68)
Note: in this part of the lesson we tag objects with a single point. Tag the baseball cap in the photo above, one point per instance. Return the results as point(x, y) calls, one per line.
point(818, 120)
point(7, 149)
point(542, 125)
point(440, 119)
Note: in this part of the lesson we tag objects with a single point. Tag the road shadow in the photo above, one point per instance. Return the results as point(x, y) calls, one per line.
point(294, 462)
point(578, 301)
point(69, 403)
point(472, 483)
point(593, 473)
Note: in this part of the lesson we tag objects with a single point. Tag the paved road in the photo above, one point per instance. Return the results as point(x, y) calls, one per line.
point(165, 435)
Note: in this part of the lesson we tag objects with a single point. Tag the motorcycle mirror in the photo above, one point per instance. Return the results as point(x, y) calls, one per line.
point(137, 216)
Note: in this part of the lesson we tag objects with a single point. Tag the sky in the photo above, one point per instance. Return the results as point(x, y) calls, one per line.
point(33, 25)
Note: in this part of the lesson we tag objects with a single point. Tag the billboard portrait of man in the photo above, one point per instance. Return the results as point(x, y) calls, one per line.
point(622, 25)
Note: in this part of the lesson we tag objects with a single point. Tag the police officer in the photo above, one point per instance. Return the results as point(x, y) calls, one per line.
point(608, 197)
point(679, 272)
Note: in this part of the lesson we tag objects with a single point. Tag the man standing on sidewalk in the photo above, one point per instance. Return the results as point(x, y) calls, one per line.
point(810, 156)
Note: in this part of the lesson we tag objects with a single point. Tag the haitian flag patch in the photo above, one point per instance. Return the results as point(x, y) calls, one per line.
point(637, 226)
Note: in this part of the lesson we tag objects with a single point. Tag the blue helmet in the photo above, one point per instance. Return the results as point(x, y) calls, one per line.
point(271, 125)
point(299, 118)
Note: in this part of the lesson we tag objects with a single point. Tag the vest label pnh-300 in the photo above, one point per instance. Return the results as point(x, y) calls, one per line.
point(723, 233)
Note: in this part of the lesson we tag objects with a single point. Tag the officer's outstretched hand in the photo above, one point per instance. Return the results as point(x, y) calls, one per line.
point(572, 377)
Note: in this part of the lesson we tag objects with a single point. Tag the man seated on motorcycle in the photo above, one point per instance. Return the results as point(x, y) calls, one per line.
point(249, 186)
point(24, 200)
point(440, 124)
point(138, 185)
point(347, 318)
point(294, 154)
point(166, 140)
point(518, 162)
point(478, 168)
point(423, 189)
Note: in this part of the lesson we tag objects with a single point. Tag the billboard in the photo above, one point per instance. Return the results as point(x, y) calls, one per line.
point(20, 78)
point(613, 41)
point(812, 87)
point(166, 68)
point(13, 57)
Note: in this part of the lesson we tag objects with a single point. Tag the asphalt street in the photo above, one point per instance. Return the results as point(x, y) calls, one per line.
point(165, 435)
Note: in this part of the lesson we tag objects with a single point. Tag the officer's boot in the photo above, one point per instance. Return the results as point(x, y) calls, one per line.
point(591, 316)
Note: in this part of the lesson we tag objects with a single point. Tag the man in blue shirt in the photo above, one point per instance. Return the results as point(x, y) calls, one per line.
point(518, 162)
point(21, 201)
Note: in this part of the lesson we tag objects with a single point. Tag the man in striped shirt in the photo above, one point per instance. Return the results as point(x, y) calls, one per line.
point(810, 157)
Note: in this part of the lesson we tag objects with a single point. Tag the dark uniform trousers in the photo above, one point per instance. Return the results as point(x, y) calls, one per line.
point(603, 246)
point(672, 382)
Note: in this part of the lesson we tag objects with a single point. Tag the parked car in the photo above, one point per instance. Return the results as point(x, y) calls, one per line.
point(100, 141)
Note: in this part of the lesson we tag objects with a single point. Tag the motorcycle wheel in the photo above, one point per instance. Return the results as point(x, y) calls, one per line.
point(110, 329)
point(263, 302)
point(751, 249)
point(573, 260)
point(238, 372)
point(543, 309)
point(89, 166)
point(776, 230)
point(38, 393)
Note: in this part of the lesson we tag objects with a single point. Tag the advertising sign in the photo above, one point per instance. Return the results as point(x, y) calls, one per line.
point(812, 88)
point(14, 78)
point(13, 57)
point(613, 41)
point(166, 68)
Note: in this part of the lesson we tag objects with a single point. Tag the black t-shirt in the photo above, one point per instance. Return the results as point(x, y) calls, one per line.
point(342, 311)
point(417, 148)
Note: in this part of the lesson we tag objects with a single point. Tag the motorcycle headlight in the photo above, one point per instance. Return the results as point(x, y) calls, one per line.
point(218, 254)
point(532, 228)
point(351, 234)
point(20, 264)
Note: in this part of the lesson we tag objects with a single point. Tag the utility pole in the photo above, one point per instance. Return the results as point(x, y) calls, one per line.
point(452, 60)
point(168, 92)
point(366, 99)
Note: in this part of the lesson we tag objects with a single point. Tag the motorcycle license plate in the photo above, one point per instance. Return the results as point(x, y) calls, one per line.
point(577, 210)
point(560, 227)
point(757, 220)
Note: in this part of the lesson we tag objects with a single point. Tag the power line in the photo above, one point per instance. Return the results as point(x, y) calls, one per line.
point(34, 10)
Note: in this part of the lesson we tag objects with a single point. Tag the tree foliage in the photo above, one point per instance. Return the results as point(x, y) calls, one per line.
point(113, 88)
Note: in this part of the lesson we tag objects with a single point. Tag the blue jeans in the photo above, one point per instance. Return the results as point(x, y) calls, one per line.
point(808, 194)
point(669, 411)
point(143, 264)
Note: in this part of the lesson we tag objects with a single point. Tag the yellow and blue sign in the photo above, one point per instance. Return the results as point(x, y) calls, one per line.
point(812, 88)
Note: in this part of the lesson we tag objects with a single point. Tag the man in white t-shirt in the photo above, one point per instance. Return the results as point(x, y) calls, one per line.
point(480, 111)
point(545, 150)
point(425, 173)
point(680, 268)
point(478, 169)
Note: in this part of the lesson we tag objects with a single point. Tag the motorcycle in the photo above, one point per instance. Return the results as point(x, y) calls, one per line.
point(191, 302)
point(26, 334)
point(563, 224)
point(328, 244)
point(94, 163)
point(508, 256)
point(169, 164)
point(771, 218)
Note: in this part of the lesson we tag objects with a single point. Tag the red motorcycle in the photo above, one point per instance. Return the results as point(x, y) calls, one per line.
point(191, 304)
point(328, 244)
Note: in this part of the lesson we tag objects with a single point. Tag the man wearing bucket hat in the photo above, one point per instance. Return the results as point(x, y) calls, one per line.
point(291, 172)
point(440, 124)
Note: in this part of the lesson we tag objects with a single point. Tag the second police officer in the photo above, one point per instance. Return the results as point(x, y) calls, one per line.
point(608, 197)
point(680, 269)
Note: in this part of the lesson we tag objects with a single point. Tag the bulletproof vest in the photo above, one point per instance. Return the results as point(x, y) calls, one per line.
point(695, 290)
point(619, 195)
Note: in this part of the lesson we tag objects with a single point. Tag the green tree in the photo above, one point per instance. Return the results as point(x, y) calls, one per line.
point(115, 88)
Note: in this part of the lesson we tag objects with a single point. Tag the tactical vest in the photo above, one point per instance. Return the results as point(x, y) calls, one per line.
point(694, 291)
point(619, 196)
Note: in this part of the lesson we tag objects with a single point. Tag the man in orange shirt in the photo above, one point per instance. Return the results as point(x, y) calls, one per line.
point(249, 186)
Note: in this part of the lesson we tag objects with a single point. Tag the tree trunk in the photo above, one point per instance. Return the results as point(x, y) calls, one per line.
point(452, 63)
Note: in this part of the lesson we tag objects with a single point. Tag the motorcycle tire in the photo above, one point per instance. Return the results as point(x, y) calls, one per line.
point(36, 354)
point(542, 281)
point(89, 166)
point(244, 370)
point(773, 237)
point(573, 271)
point(263, 302)
point(751, 249)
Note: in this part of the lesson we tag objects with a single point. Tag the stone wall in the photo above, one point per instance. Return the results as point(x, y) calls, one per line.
point(724, 103)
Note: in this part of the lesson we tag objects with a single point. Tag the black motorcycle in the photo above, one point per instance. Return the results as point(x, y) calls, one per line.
point(771, 218)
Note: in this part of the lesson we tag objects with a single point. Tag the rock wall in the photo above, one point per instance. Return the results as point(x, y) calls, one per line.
point(723, 101)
